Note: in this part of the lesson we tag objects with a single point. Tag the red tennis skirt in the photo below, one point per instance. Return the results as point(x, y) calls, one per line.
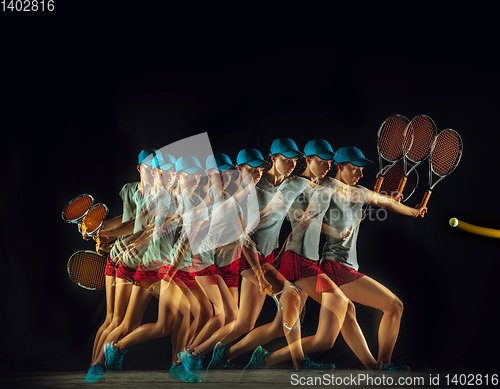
point(125, 273)
point(294, 267)
point(243, 263)
point(148, 273)
point(199, 268)
point(210, 272)
point(338, 273)
point(181, 278)
point(230, 274)
point(148, 276)
point(110, 269)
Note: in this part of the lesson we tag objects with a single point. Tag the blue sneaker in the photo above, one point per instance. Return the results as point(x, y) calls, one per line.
point(217, 362)
point(394, 369)
point(182, 372)
point(194, 362)
point(95, 373)
point(114, 357)
point(257, 360)
point(311, 365)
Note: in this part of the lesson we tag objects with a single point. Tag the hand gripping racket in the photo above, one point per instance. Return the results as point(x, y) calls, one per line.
point(94, 219)
point(390, 143)
point(76, 209)
point(86, 269)
point(392, 177)
point(445, 157)
point(419, 136)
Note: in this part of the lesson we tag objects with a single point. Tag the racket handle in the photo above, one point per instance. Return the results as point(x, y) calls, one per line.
point(378, 183)
point(426, 198)
point(268, 291)
point(402, 184)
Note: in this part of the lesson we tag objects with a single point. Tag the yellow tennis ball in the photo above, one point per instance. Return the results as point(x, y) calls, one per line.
point(453, 222)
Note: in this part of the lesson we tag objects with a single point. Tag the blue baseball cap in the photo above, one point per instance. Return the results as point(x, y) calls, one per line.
point(165, 162)
point(252, 157)
point(351, 154)
point(188, 164)
point(319, 147)
point(147, 156)
point(219, 161)
point(286, 147)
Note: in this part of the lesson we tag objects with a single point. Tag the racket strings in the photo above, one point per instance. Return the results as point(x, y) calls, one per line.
point(446, 152)
point(391, 137)
point(94, 217)
point(77, 208)
point(419, 137)
point(87, 269)
point(290, 307)
point(392, 178)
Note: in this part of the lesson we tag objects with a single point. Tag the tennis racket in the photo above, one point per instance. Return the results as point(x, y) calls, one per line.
point(390, 184)
point(419, 136)
point(445, 157)
point(289, 306)
point(93, 220)
point(392, 178)
point(75, 210)
point(390, 138)
point(86, 269)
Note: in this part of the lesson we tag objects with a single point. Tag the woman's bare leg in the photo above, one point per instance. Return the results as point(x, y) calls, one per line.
point(217, 321)
point(206, 308)
point(367, 291)
point(123, 289)
point(172, 301)
point(195, 313)
point(230, 313)
point(275, 329)
point(139, 299)
point(230, 300)
point(332, 314)
point(110, 306)
point(251, 303)
point(355, 339)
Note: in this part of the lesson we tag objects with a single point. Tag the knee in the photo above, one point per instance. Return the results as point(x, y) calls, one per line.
point(195, 309)
point(124, 328)
point(343, 302)
point(109, 318)
point(276, 329)
point(206, 311)
point(163, 331)
point(219, 319)
point(395, 306)
point(185, 311)
point(115, 322)
point(107, 322)
point(350, 315)
point(128, 326)
point(323, 343)
point(231, 315)
point(398, 306)
point(243, 327)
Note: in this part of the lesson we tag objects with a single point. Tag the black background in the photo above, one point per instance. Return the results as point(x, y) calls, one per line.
point(85, 89)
